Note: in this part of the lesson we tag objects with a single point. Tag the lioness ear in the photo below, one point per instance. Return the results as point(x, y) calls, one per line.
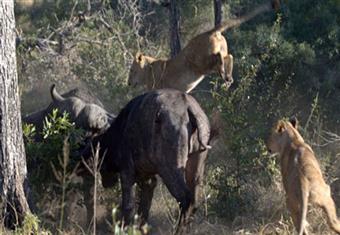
point(139, 57)
point(280, 126)
point(294, 122)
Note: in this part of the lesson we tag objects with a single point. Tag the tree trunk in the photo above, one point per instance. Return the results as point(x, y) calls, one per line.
point(175, 44)
point(12, 153)
point(218, 12)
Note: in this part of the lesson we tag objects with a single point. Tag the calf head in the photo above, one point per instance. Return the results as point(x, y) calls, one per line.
point(91, 117)
point(95, 119)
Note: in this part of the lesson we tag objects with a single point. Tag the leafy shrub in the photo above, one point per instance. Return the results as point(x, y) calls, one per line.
point(31, 226)
point(41, 156)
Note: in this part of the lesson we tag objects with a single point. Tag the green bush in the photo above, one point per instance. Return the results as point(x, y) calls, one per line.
point(41, 156)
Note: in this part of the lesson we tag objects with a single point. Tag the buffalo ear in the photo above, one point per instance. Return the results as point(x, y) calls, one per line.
point(294, 122)
point(280, 127)
point(139, 57)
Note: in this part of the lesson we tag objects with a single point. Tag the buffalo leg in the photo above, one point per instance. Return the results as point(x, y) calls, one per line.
point(145, 197)
point(174, 181)
point(127, 182)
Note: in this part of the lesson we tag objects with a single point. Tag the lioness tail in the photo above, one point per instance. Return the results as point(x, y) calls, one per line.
point(238, 21)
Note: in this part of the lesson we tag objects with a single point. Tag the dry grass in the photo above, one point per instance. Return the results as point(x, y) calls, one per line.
point(164, 214)
point(270, 217)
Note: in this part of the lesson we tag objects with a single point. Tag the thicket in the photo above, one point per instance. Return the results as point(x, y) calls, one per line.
point(286, 63)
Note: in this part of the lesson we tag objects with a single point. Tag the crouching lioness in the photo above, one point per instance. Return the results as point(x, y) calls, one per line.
point(301, 175)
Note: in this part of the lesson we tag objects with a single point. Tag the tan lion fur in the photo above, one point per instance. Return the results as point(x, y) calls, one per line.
point(301, 175)
point(204, 54)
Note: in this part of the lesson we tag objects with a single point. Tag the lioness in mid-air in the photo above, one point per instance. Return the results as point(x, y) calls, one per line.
point(301, 175)
point(204, 54)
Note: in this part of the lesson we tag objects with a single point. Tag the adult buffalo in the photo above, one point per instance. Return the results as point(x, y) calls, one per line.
point(162, 132)
point(84, 110)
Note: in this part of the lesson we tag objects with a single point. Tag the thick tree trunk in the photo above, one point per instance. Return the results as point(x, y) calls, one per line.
point(175, 43)
point(218, 12)
point(12, 153)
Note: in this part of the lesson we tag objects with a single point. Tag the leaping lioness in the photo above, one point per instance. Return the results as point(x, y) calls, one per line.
point(206, 53)
point(301, 175)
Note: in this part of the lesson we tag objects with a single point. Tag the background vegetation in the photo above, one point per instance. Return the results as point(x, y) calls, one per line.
point(286, 63)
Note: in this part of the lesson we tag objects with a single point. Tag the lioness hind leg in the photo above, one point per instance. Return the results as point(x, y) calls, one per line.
point(229, 64)
point(327, 204)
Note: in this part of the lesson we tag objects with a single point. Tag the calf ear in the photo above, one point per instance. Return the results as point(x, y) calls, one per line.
point(294, 122)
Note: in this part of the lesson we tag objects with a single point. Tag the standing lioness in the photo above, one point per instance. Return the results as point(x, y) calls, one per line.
point(301, 175)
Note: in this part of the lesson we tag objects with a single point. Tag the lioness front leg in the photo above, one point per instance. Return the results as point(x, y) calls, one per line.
point(295, 211)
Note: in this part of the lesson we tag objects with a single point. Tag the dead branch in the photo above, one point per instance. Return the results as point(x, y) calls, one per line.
point(90, 41)
point(67, 36)
point(327, 138)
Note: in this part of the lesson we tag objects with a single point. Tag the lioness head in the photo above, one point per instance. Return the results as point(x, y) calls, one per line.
point(283, 134)
point(137, 70)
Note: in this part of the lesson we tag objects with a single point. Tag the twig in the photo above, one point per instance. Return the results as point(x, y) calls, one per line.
point(72, 11)
point(88, 6)
point(90, 41)
point(96, 165)
point(117, 34)
point(328, 138)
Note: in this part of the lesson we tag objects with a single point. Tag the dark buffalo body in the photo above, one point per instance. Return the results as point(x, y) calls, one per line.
point(162, 132)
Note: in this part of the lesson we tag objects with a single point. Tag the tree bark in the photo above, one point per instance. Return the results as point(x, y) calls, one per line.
point(175, 43)
point(218, 12)
point(13, 171)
